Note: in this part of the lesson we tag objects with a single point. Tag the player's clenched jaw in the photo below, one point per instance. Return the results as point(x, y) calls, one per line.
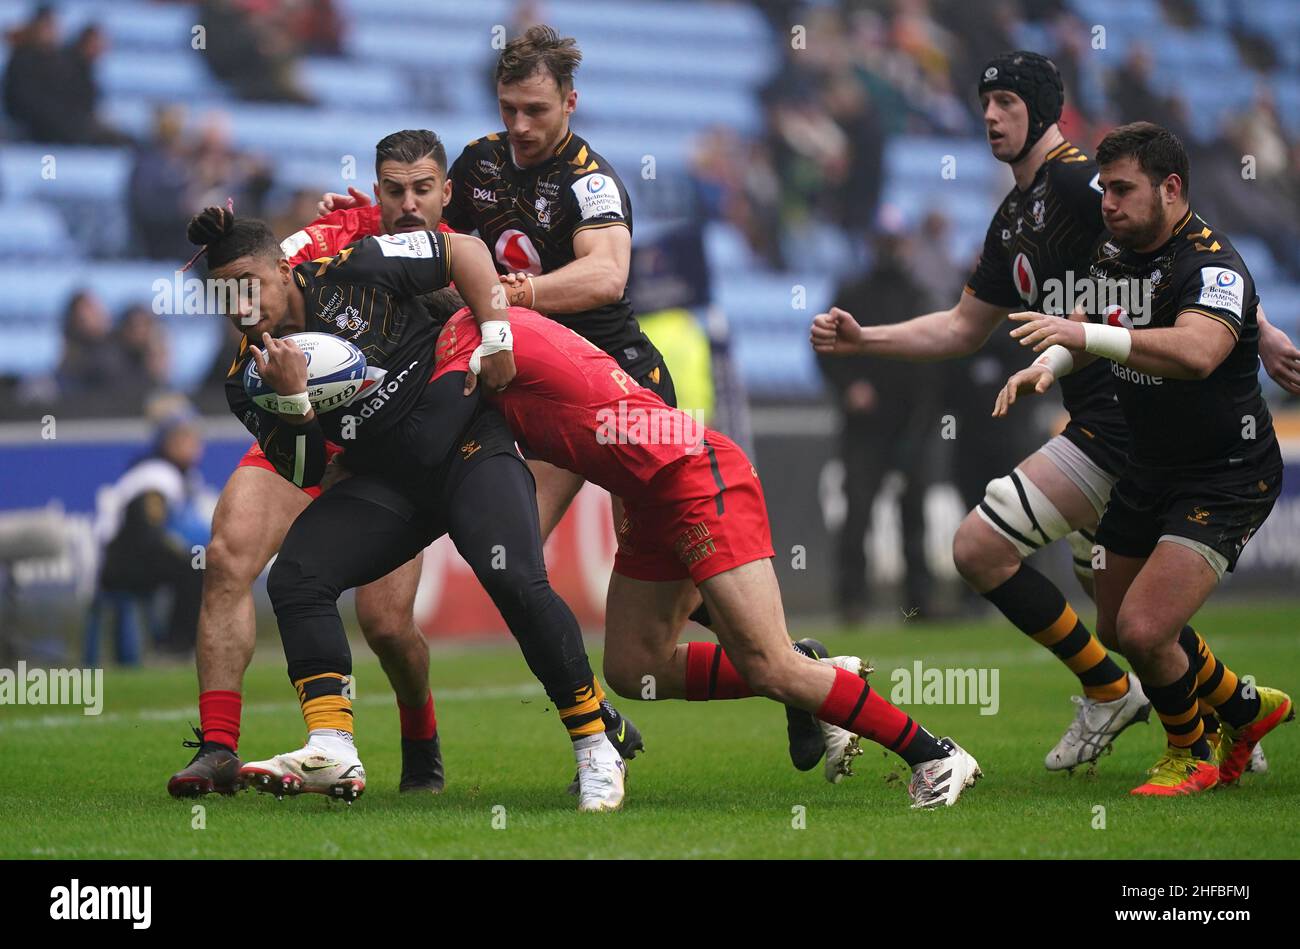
point(267, 296)
point(535, 92)
point(1143, 175)
point(1006, 123)
point(411, 181)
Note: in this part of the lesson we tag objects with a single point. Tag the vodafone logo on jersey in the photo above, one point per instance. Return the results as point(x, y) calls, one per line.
point(1117, 316)
point(517, 254)
point(1022, 273)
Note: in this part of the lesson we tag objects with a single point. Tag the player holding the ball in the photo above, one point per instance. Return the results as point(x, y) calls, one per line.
point(425, 460)
point(411, 188)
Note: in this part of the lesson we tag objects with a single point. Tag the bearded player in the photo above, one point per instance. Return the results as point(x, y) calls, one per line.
point(1204, 467)
point(1041, 237)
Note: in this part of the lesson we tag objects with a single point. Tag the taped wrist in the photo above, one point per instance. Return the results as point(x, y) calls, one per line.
point(497, 338)
point(1110, 342)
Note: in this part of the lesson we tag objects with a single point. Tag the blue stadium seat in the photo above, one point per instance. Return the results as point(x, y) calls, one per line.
point(155, 75)
point(1259, 259)
point(73, 174)
point(32, 229)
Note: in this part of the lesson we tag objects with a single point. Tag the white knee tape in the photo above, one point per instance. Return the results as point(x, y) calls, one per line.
point(1081, 546)
point(1015, 508)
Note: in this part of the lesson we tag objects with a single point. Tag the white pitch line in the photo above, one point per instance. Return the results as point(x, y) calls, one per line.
point(521, 691)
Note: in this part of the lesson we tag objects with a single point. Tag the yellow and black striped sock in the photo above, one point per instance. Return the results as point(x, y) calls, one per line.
point(323, 703)
point(1180, 713)
point(1232, 699)
point(582, 715)
point(1038, 609)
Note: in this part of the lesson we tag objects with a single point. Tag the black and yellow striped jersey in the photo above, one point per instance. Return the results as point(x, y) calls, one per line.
point(1190, 427)
point(1039, 245)
point(367, 294)
point(528, 218)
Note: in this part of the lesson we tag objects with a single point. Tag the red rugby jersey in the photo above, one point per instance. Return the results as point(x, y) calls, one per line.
point(575, 407)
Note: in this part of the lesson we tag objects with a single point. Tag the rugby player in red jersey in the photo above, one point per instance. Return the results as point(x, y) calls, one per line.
point(411, 190)
point(693, 517)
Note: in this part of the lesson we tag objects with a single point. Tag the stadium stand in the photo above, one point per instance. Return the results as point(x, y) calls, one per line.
point(655, 80)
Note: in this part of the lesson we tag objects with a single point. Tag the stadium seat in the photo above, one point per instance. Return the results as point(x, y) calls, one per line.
point(32, 230)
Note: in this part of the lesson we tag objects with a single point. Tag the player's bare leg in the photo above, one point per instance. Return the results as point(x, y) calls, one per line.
point(386, 613)
point(1143, 604)
point(745, 603)
point(240, 548)
point(556, 489)
point(1032, 507)
point(644, 660)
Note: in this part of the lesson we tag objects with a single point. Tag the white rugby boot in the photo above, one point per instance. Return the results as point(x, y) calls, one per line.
point(938, 783)
point(842, 745)
point(1096, 725)
point(312, 769)
point(601, 774)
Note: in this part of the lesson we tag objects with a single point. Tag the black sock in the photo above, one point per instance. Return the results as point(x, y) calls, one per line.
point(1039, 610)
point(1179, 712)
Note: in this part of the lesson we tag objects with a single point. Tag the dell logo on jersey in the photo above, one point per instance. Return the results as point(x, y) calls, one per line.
point(485, 194)
point(1022, 273)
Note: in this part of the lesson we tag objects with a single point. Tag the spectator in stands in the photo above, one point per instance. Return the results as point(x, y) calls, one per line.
point(50, 92)
point(220, 171)
point(250, 51)
point(888, 420)
point(159, 199)
point(316, 26)
point(90, 364)
point(143, 348)
point(151, 520)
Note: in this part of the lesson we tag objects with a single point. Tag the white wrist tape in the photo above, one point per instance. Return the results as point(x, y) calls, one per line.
point(1110, 342)
point(293, 404)
point(1058, 360)
point(497, 338)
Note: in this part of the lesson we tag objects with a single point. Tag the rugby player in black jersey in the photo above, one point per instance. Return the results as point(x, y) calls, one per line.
point(425, 459)
point(558, 221)
point(1204, 468)
point(1038, 246)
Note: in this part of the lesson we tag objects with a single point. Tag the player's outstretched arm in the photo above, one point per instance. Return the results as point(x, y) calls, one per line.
point(1190, 349)
point(1279, 355)
point(476, 280)
point(944, 334)
point(596, 276)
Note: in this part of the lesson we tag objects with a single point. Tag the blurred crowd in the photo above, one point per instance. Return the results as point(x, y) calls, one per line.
point(863, 71)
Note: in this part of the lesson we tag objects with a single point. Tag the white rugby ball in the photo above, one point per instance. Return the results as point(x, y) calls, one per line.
point(336, 372)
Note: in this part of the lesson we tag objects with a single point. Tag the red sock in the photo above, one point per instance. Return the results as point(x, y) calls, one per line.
point(418, 723)
point(853, 705)
point(710, 675)
point(219, 716)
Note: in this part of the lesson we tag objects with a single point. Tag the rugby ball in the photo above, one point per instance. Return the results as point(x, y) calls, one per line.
point(336, 372)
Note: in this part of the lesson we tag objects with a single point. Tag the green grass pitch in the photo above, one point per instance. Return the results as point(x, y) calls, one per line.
point(715, 782)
